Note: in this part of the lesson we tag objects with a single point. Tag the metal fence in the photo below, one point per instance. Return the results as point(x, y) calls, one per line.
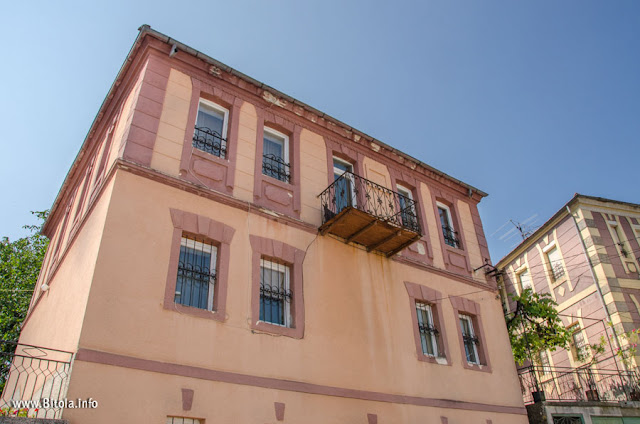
point(33, 373)
point(351, 190)
point(578, 384)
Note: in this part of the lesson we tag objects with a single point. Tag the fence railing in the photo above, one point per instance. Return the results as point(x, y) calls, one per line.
point(351, 190)
point(578, 384)
point(33, 373)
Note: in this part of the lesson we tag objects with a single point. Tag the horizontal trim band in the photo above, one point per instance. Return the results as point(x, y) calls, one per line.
point(98, 357)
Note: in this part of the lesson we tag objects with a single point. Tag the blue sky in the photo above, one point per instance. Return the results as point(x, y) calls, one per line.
point(530, 101)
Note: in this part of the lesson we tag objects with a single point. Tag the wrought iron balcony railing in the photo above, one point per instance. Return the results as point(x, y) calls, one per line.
point(578, 384)
point(351, 190)
point(275, 167)
point(363, 212)
point(450, 236)
point(32, 373)
point(210, 141)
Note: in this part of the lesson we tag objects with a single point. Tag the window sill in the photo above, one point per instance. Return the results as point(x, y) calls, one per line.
point(195, 312)
point(275, 329)
point(477, 367)
point(273, 180)
point(440, 360)
point(210, 156)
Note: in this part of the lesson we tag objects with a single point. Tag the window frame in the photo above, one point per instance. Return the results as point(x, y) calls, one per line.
point(408, 193)
point(225, 127)
point(274, 250)
point(198, 246)
point(469, 320)
point(467, 307)
point(285, 151)
point(519, 273)
point(286, 287)
point(554, 276)
point(424, 338)
point(336, 171)
point(452, 226)
point(212, 231)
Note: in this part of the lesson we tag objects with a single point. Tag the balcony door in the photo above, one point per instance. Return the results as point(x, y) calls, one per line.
point(344, 187)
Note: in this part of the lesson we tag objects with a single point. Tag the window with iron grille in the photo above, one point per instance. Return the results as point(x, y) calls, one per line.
point(210, 134)
point(446, 222)
point(275, 293)
point(469, 339)
point(182, 420)
point(275, 155)
point(524, 278)
point(579, 342)
point(567, 419)
point(408, 213)
point(555, 263)
point(428, 331)
point(196, 273)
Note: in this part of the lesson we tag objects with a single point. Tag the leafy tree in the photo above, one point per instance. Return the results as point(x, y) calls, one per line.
point(535, 326)
point(20, 263)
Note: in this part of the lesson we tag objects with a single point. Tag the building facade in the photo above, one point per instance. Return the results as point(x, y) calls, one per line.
point(586, 258)
point(221, 252)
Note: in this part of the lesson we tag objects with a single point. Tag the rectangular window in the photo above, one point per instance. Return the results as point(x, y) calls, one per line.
point(275, 159)
point(567, 419)
point(524, 278)
point(469, 339)
point(449, 233)
point(181, 420)
point(579, 342)
point(545, 365)
point(555, 263)
point(408, 213)
point(275, 293)
point(618, 239)
point(196, 273)
point(344, 186)
point(428, 331)
point(210, 133)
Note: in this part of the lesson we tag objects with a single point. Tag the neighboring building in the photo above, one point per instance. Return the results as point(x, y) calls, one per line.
point(272, 264)
point(586, 257)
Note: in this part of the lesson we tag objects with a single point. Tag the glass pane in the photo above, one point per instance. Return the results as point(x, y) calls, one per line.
point(195, 275)
point(210, 118)
point(444, 217)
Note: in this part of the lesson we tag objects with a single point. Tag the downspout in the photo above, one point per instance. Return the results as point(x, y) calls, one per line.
point(595, 279)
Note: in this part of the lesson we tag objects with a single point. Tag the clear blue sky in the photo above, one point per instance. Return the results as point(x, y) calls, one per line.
point(530, 101)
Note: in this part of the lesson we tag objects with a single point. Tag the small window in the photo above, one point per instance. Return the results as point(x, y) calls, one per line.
point(275, 293)
point(469, 339)
point(428, 331)
point(408, 213)
point(196, 273)
point(555, 263)
point(275, 160)
point(344, 188)
point(579, 343)
point(567, 419)
point(618, 239)
point(210, 133)
point(524, 279)
point(545, 365)
point(181, 420)
point(448, 232)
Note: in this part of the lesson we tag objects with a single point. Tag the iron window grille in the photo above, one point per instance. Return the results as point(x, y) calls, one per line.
point(183, 420)
point(579, 343)
point(211, 129)
point(351, 190)
point(275, 167)
point(557, 270)
point(196, 273)
point(275, 293)
point(448, 232)
point(408, 214)
point(469, 339)
point(567, 419)
point(428, 331)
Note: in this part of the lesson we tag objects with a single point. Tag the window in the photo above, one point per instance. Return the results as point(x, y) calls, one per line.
point(275, 156)
point(555, 263)
point(579, 343)
point(448, 232)
point(344, 187)
point(408, 213)
point(545, 365)
point(181, 420)
point(618, 239)
point(567, 419)
point(196, 273)
point(210, 134)
point(275, 293)
point(428, 331)
point(469, 339)
point(524, 279)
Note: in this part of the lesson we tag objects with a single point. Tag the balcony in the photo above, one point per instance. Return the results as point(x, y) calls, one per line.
point(360, 211)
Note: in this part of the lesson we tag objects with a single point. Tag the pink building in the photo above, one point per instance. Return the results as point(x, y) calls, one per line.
point(221, 252)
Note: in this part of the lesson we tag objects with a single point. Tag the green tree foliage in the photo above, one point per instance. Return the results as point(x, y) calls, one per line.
point(20, 263)
point(535, 326)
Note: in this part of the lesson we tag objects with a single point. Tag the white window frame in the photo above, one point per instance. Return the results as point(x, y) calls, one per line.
point(274, 266)
point(447, 209)
point(545, 369)
point(218, 108)
point(434, 341)
point(584, 347)
point(469, 320)
point(278, 134)
point(552, 247)
point(340, 172)
point(213, 251)
point(519, 274)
